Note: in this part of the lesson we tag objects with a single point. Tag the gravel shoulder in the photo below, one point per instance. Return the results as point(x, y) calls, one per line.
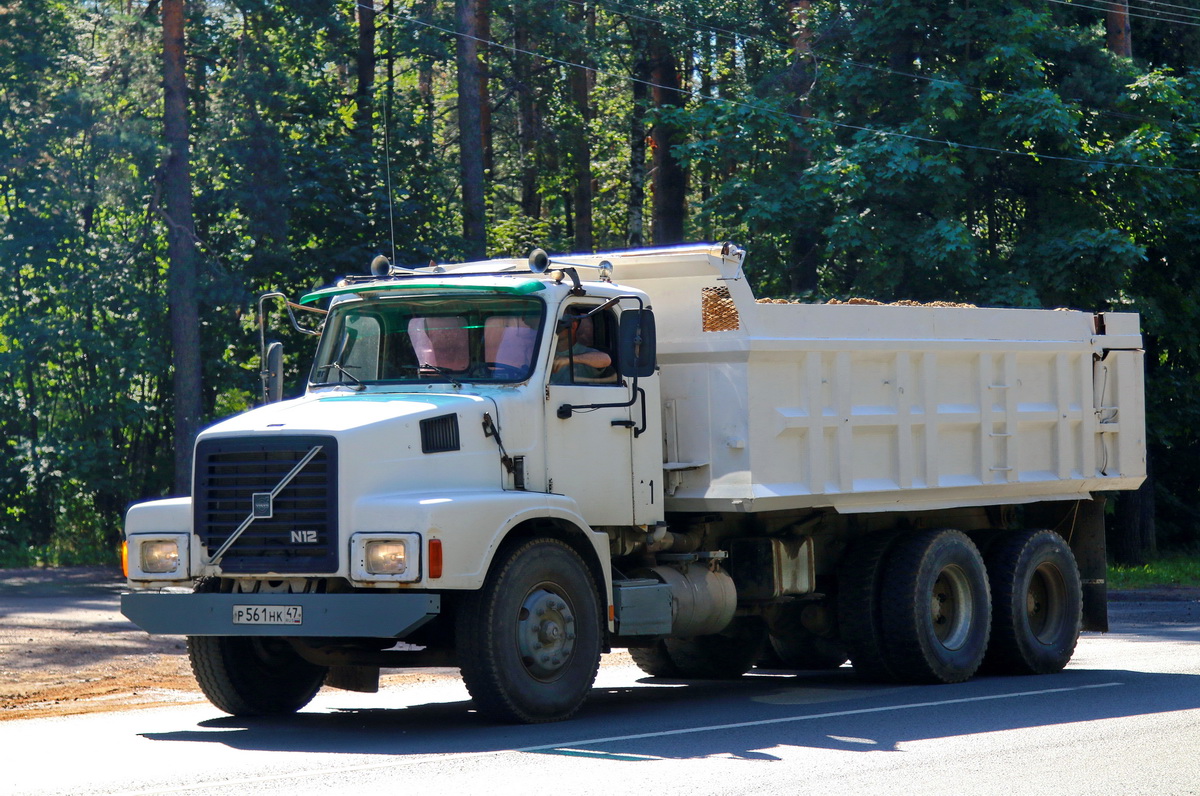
point(65, 648)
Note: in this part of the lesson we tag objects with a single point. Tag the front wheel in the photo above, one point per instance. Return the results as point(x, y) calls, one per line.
point(529, 640)
point(253, 676)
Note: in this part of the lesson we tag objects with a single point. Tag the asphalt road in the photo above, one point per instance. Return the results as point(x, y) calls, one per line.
point(1124, 718)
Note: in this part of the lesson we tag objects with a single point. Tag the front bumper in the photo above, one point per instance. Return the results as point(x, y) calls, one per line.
point(329, 615)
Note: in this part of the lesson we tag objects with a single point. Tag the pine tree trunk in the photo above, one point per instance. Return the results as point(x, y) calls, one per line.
point(528, 124)
point(581, 150)
point(483, 29)
point(1116, 28)
point(470, 130)
point(802, 267)
point(636, 235)
point(181, 250)
point(365, 69)
point(364, 114)
point(670, 179)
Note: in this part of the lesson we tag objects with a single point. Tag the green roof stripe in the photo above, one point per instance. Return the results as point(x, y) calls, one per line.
point(520, 288)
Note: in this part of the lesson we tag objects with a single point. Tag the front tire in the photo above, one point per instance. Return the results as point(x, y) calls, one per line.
point(253, 676)
point(529, 640)
point(937, 615)
point(1037, 604)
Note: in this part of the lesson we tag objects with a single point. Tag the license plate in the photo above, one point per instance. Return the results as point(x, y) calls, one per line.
point(268, 615)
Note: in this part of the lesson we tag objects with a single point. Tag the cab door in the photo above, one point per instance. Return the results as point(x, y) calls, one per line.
point(589, 420)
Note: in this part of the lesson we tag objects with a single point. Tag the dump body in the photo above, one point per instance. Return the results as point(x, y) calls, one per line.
point(866, 408)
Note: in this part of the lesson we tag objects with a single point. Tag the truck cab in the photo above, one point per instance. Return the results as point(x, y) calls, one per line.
point(447, 414)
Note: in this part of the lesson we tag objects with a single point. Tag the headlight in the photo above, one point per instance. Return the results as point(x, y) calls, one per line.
point(159, 556)
point(386, 557)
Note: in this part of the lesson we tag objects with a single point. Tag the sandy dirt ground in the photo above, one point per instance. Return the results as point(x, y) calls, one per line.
point(66, 649)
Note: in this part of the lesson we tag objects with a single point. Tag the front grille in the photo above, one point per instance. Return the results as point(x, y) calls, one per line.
point(300, 535)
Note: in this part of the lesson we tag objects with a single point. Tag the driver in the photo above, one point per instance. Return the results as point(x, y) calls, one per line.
point(579, 360)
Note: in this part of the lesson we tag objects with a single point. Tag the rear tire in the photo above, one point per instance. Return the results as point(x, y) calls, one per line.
point(804, 651)
point(937, 615)
point(654, 660)
point(719, 656)
point(529, 640)
point(794, 646)
point(252, 675)
point(860, 623)
point(1037, 604)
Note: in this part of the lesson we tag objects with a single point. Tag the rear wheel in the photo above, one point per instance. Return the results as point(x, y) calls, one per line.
point(794, 646)
point(1037, 604)
point(805, 651)
point(529, 640)
point(860, 623)
point(936, 618)
point(253, 676)
point(654, 660)
point(719, 656)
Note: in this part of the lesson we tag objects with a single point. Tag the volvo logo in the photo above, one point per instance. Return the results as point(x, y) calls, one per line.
point(304, 537)
point(262, 506)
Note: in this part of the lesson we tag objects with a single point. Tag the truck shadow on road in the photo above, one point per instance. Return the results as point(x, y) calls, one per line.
point(752, 718)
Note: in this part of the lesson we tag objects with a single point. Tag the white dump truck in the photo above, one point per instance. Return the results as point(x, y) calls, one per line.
point(511, 467)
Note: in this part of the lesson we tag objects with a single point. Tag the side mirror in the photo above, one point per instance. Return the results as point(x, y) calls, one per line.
point(272, 373)
point(637, 357)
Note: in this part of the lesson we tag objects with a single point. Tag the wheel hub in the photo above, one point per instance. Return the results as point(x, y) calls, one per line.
point(545, 633)
point(949, 608)
point(1043, 602)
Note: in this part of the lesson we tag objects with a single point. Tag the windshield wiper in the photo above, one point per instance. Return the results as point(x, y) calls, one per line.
point(443, 372)
point(356, 383)
point(336, 362)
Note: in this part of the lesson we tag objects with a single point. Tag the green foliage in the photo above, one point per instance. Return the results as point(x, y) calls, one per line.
point(517, 236)
point(980, 151)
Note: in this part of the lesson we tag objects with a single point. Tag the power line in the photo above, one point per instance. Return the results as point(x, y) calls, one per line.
point(1194, 13)
point(1106, 9)
point(796, 118)
point(617, 7)
point(1171, 5)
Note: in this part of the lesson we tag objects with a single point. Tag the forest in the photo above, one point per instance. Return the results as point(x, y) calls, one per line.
point(163, 162)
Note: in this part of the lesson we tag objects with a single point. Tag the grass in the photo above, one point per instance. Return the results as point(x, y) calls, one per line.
point(1170, 569)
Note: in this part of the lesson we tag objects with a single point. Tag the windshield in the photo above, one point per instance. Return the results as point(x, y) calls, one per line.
point(440, 338)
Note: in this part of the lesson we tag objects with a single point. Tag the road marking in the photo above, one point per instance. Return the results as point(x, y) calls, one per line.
point(575, 747)
point(811, 717)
